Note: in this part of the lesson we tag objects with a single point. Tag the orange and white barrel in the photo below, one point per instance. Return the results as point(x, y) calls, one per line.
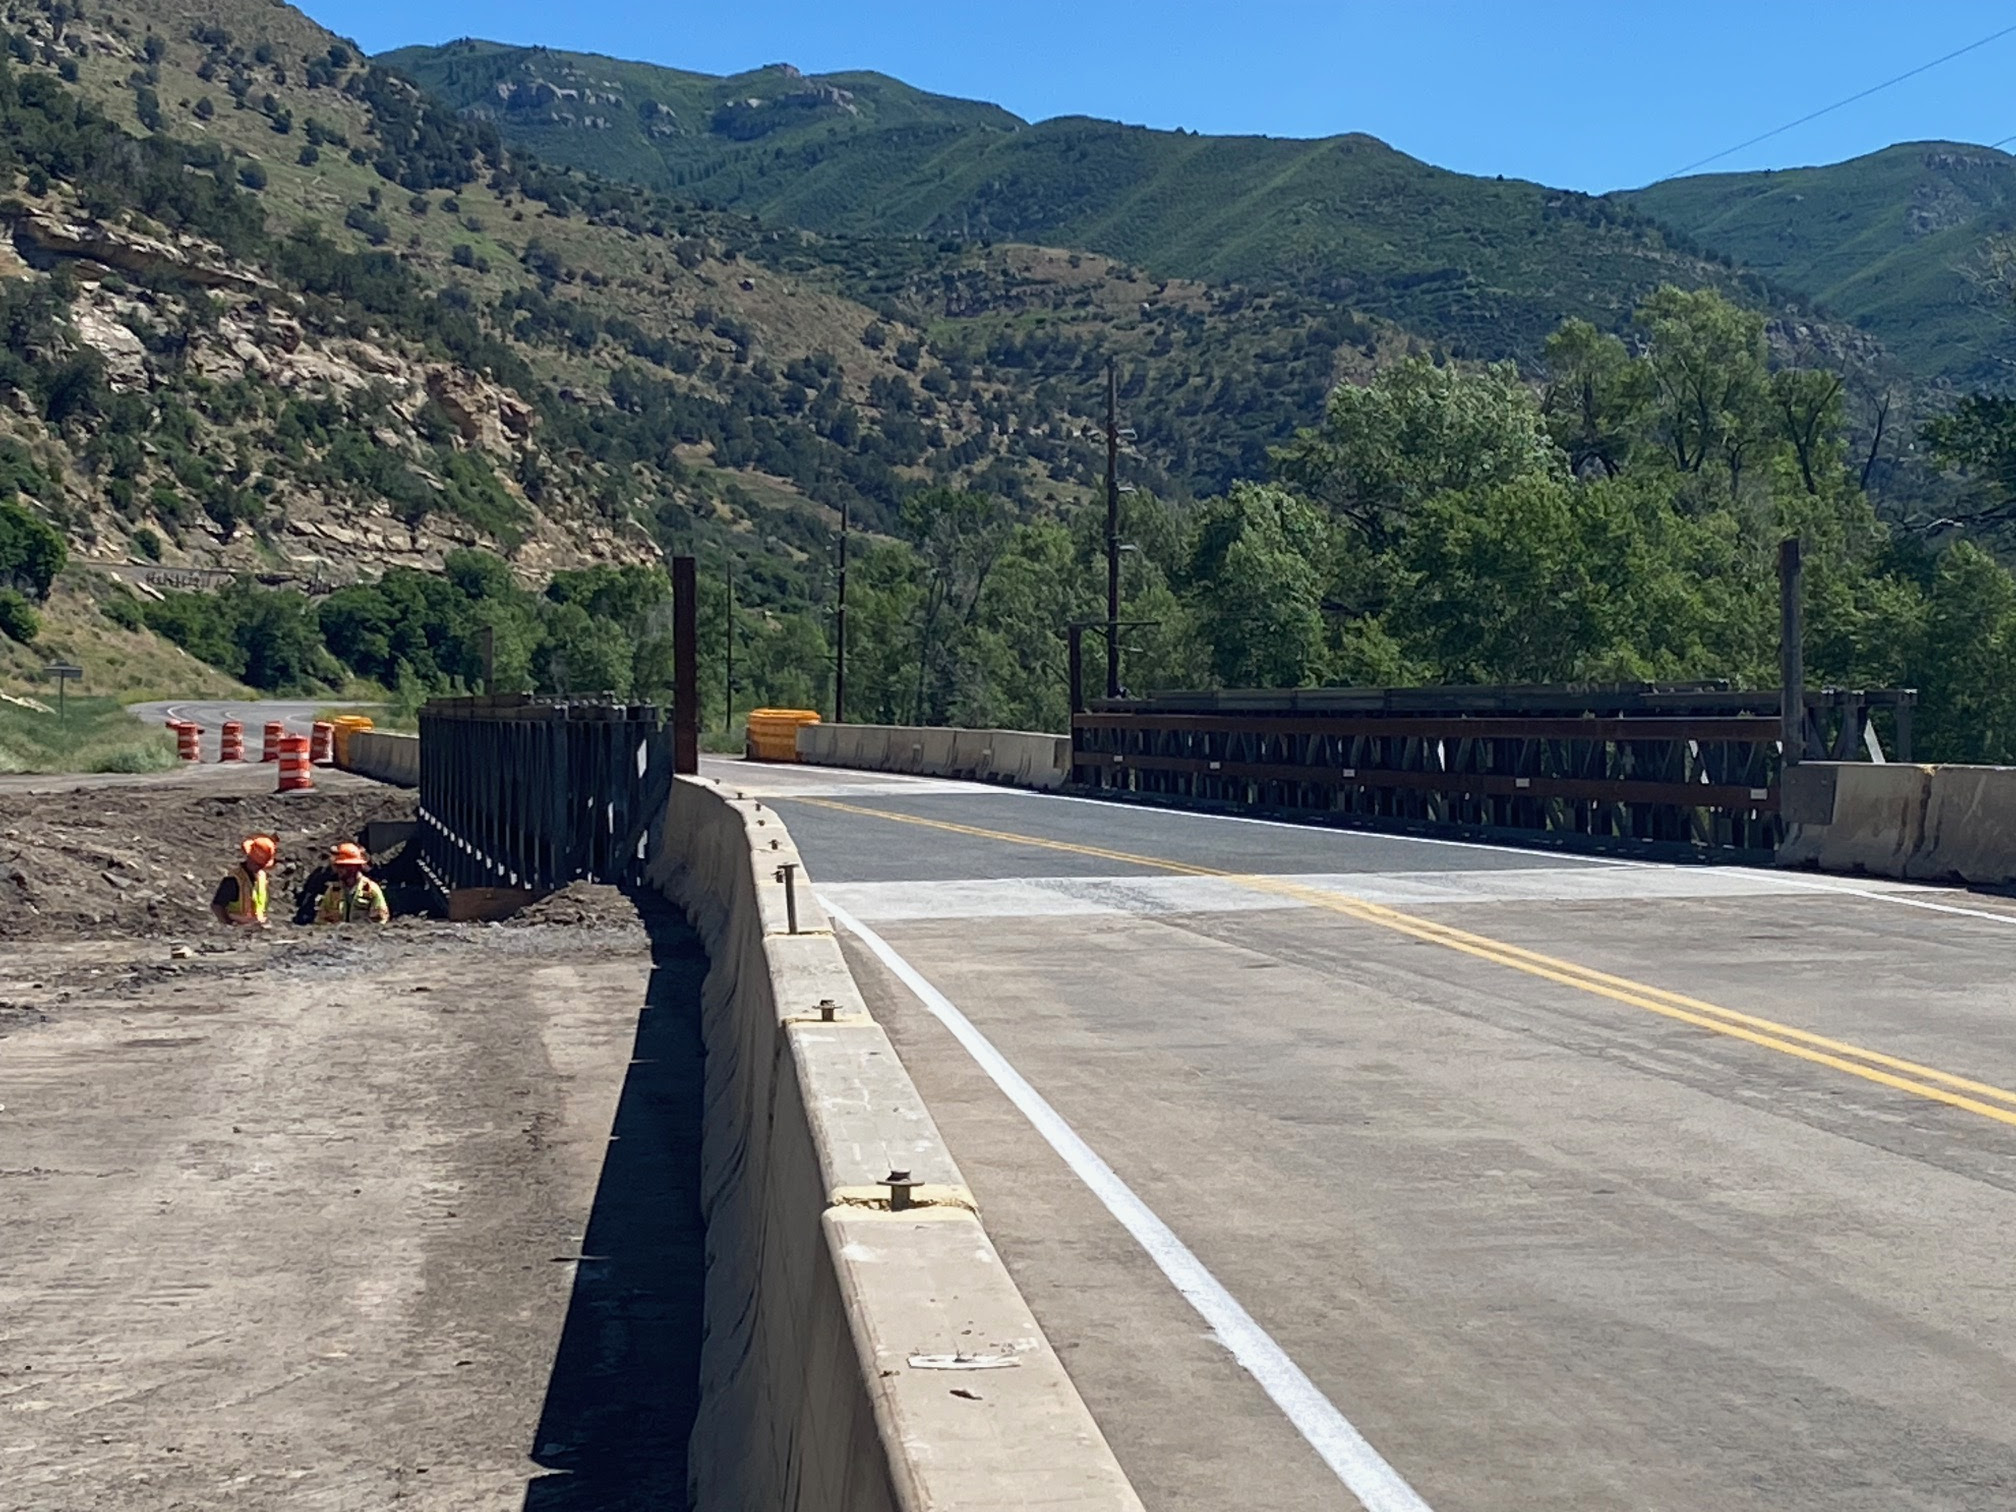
point(275, 731)
point(188, 740)
point(231, 741)
point(295, 776)
point(319, 745)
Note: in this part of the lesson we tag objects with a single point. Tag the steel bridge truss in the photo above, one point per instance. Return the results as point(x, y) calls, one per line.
point(534, 793)
point(1661, 770)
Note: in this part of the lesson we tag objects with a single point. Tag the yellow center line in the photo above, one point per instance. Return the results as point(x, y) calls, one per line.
point(1870, 1065)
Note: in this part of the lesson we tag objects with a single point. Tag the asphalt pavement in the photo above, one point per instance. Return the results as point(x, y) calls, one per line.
point(1359, 1170)
point(212, 714)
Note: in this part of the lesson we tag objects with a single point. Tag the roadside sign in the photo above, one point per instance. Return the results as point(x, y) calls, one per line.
point(64, 673)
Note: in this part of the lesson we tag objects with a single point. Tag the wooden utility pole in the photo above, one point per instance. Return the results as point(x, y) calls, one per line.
point(1791, 654)
point(728, 703)
point(1112, 530)
point(840, 629)
point(685, 667)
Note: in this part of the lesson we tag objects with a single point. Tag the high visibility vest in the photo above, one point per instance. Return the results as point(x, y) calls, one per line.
point(250, 907)
point(346, 905)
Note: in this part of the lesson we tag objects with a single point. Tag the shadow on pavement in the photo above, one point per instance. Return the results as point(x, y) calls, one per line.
point(625, 1383)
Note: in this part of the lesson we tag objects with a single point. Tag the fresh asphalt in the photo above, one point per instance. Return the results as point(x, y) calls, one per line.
point(1568, 1183)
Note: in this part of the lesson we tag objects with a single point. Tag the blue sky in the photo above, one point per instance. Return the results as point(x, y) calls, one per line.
point(1585, 95)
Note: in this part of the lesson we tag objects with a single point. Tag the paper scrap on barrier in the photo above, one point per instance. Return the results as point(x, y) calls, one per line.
point(963, 1362)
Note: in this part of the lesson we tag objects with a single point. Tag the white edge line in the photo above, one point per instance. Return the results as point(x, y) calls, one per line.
point(1376, 1484)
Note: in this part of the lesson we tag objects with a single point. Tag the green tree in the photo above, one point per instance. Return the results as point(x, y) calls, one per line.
point(1707, 364)
point(1500, 586)
point(1415, 431)
point(1594, 402)
point(958, 536)
point(1969, 698)
point(1256, 590)
point(31, 552)
point(582, 654)
point(18, 619)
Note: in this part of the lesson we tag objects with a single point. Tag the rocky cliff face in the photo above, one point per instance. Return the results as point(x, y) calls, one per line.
point(172, 319)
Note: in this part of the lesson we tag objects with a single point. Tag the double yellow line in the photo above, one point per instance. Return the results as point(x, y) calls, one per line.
point(1979, 1098)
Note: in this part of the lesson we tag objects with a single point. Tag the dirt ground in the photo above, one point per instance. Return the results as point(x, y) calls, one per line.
point(339, 1219)
point(109, 861)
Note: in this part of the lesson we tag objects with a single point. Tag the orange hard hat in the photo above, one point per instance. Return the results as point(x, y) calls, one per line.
point(261, 850)
point(348, 854)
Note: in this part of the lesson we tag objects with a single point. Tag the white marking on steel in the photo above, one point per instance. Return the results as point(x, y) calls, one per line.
point(1364, 1472)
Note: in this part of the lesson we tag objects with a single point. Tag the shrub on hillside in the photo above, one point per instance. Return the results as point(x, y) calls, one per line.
point(31, 554)
point(18, 619)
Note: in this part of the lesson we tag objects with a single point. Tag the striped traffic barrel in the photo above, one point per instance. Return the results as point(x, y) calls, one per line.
point(188, 739)
point(271, 747)
point(319, 751)
point(294, 769)
point(231, 742)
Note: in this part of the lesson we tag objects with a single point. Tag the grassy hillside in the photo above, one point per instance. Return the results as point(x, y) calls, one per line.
point(266, 306)
point(662, 126)
point(1895, 242)
point(1487, 267)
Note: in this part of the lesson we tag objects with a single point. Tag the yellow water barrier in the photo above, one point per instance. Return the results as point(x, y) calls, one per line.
point(773, 733)
point(346, 725)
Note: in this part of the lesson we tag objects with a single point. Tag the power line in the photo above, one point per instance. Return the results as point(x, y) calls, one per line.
point(1838, 104)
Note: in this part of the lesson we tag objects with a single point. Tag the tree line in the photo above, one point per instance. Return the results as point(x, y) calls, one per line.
point(1617, 520)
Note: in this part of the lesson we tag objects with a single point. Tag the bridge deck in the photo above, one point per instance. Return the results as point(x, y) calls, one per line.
point(1569, 1183)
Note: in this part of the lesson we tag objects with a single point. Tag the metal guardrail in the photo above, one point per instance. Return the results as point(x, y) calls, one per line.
point(517, 791)
point(1658, 768)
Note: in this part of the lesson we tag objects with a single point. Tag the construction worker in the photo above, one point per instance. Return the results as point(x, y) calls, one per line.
point(352, 898)
point(240, 899)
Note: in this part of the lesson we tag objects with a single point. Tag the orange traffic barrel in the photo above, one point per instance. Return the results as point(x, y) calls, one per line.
point(319, 743)
point(275, 732)
point(294, 771)
point(188, 740)
point(231, 742)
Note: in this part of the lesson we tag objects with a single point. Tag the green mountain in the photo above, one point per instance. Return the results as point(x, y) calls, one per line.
point(1897, 242)
point(662, 126)
point(266, 307)
point(1487, 267)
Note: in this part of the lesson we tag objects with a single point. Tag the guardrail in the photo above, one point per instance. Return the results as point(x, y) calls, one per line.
point(525, 792)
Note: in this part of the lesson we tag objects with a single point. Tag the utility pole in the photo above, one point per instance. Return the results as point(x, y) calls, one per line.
point(1791, 654)
point(685, 662)
point(728, 703)
point(1112, 530)
point(840, 629)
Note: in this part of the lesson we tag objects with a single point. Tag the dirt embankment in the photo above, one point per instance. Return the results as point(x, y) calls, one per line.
point(108, 862)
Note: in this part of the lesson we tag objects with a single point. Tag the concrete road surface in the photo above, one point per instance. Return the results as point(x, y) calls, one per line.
point(1356, 1170)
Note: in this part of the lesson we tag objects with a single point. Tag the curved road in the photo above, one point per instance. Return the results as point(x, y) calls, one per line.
point(1359, 1170)
point(213, 714)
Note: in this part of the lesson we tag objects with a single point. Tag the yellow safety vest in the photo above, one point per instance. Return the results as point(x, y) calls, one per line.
point(250, 907)
point(346, 905)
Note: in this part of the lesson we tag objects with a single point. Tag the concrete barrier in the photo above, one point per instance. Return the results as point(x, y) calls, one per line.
point(1022, 758)
point(1969, 826)
point(1929, 823)
point(838, 1325)
point(383, 755)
